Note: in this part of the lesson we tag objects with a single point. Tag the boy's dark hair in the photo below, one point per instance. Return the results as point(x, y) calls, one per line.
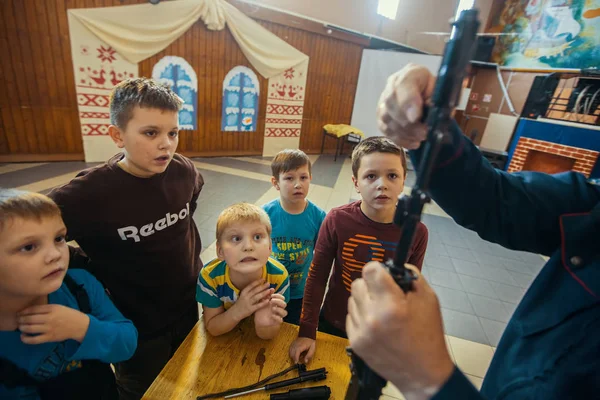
point(378, 144)
point(289, 160)
point(27, 205)
point(142, 92)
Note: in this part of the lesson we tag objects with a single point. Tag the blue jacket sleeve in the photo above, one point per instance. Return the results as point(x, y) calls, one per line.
point(110, 337)
point(519, 211)
point(458, 387)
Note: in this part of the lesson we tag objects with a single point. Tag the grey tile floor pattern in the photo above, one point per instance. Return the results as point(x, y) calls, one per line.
point(325, 171)
point(40, 172)
point(237, 164)
point(479, 284)
point(221, 190)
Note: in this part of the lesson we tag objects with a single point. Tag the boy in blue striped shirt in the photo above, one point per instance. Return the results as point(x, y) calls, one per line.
point(243, 280)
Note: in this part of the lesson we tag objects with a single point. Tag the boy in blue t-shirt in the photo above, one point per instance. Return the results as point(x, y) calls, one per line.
point(58, 328)
point(296, 222)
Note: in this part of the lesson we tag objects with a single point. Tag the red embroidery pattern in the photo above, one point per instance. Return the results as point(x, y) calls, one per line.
point(283, 121)
point(106, 54)
point(284, 110)
point(94, 115)
point(96, 100)
point(94, 129)
point(282, 132)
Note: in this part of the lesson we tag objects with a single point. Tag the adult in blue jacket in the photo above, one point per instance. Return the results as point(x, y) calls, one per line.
point(551, 346)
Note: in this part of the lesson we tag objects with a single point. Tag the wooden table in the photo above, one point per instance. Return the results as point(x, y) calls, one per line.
point(205, 364)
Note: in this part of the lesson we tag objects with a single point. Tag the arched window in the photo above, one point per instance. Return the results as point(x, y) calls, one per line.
point(240, 100)
point(180, 76)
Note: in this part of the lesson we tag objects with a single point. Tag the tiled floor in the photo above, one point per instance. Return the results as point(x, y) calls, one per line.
point(478, 283)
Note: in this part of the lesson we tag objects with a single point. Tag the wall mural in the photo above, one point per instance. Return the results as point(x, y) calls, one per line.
point(548, 33)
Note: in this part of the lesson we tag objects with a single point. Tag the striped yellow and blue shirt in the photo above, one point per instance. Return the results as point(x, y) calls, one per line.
point(215, 289)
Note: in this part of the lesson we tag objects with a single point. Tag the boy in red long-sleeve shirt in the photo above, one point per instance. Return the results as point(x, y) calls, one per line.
point(351, 236)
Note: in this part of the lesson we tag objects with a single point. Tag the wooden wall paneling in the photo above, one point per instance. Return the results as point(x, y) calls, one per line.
point(186, 43)
point(8, 97)
point(3, 142)
point(227, 138)
point(37, 82)
point(204, 61)
point(19, 77)
point(236, 141)
point(40, 111)
point(310, 92)
point(62, 100)
point(204, 81)
point(216, 95)
point(329, 97)
point(4, 127)
point(232, 139)
point(178, 49)
point(69, 98)
point(41, 104)
point(197, 45)
point(306, 43)
point(246, 140)
point(343, 52)
point(318, 96)
point(46, 81)
point(214, 138)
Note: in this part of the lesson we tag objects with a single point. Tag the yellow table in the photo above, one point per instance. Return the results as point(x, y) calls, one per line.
point(206, 364)
point(342, 133)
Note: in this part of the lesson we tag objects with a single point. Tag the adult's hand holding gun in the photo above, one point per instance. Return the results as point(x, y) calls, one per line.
point(399, 336)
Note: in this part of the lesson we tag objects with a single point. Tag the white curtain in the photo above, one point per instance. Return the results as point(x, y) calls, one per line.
point(140, 31)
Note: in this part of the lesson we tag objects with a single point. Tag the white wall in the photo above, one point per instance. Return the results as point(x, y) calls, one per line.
point(375, 68)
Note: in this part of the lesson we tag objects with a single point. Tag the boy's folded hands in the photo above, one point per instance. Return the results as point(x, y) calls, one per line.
point(252, 298)
point(273, 313)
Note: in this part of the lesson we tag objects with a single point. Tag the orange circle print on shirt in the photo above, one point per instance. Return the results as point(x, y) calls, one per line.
point(359, 250)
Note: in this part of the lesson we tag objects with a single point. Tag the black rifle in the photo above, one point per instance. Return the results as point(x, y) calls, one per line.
point(365, 384)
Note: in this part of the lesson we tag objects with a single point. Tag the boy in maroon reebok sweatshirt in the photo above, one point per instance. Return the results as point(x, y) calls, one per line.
point(133, 217)
point(351, 236)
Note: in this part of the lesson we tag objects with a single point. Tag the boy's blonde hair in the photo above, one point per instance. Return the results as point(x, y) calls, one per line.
point(241, 212)
point(289, 160)
point(26, 205)
point(141, 92)
point(378, 144)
